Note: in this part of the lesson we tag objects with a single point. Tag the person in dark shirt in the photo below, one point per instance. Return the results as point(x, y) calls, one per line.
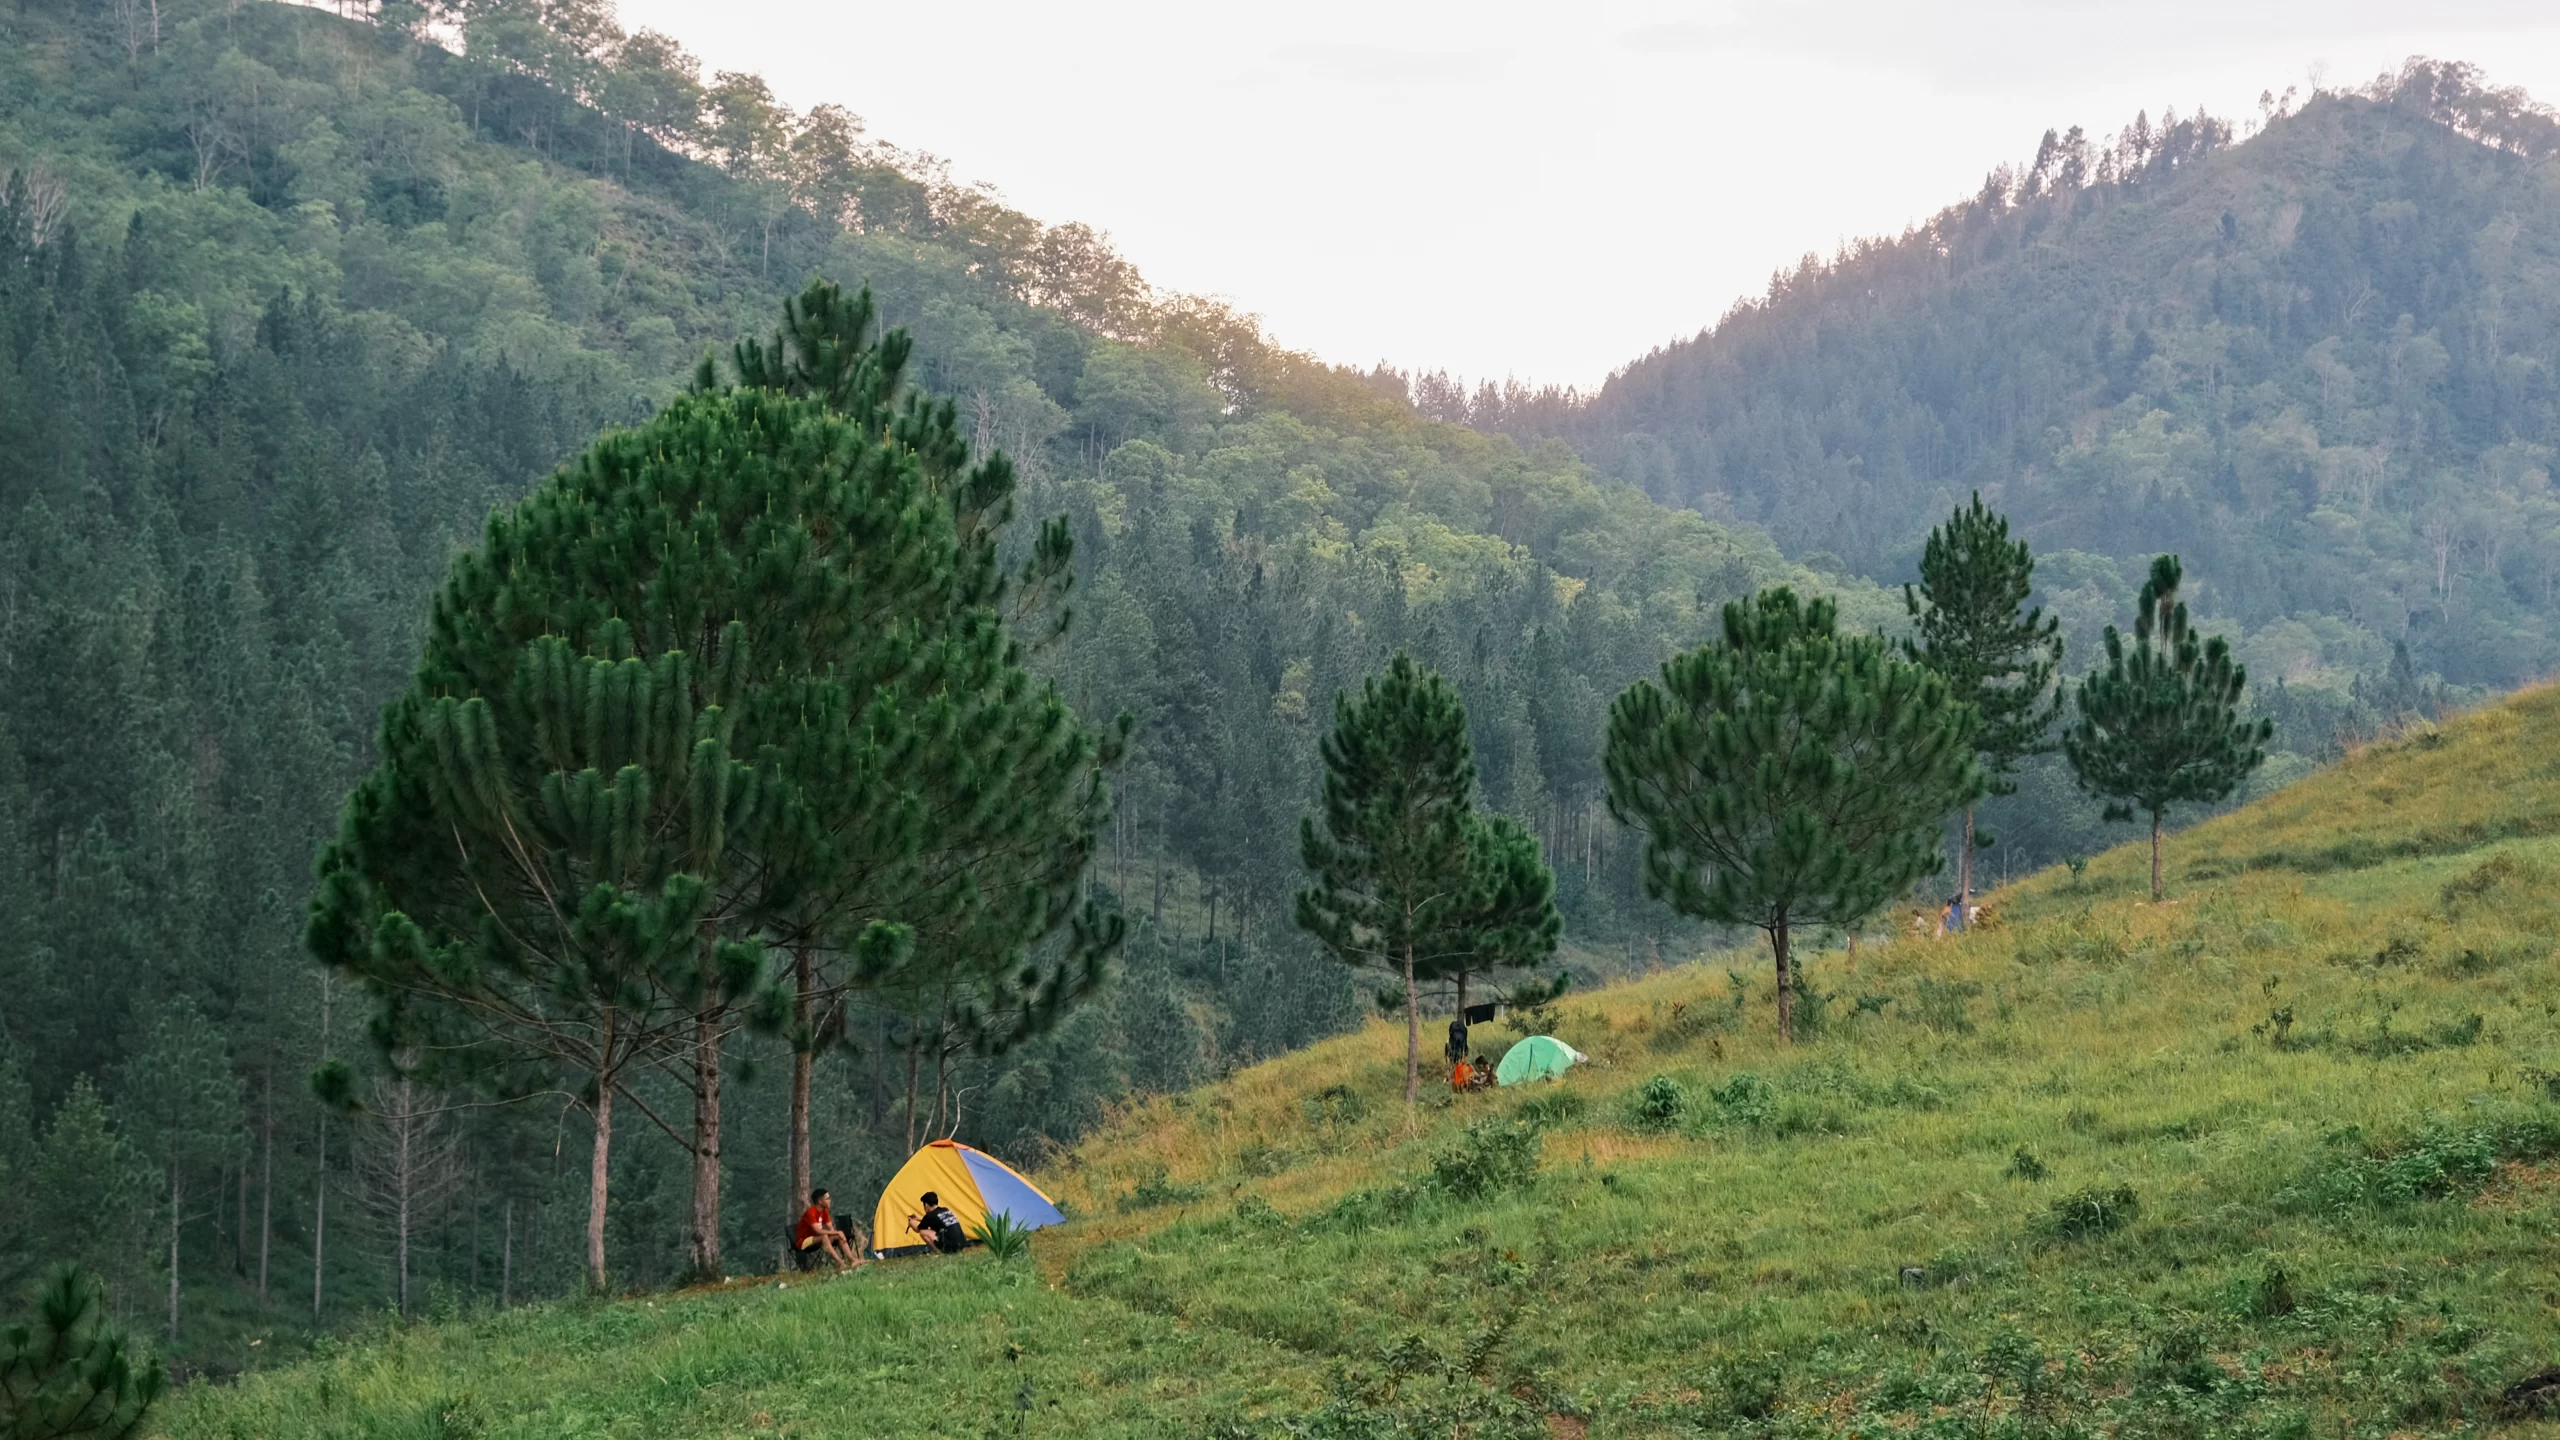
point(937, 1226)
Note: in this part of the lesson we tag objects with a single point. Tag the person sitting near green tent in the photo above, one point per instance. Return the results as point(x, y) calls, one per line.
point(1483, 1079)
point(818, 1231)
point(937, 1226)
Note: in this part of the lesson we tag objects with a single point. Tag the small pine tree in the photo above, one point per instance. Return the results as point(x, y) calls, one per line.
point(68, 1374)
point(1788, 775)
point(1407, 878)
point(1997, 656)
point(1507, 919)
point(2160, 725)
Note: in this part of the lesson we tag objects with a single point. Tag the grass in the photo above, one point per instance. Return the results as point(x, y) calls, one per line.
point(2279, 1156)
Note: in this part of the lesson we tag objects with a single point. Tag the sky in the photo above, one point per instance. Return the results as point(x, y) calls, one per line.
point(1535, 190)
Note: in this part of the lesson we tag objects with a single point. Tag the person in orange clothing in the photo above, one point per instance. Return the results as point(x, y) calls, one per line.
point(818, 1228)
point(1463, 1078)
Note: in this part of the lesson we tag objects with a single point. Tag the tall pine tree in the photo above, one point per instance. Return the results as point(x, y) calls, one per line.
point(1408, 879)
point(1788, 774)
point(2160, 725)
point(1973, 627)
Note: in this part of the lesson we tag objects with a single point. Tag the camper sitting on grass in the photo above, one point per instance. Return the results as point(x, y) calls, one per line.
point(937, 1226)
point(818, 1230)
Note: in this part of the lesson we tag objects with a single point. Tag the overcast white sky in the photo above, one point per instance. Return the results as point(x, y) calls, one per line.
point(1540, 190)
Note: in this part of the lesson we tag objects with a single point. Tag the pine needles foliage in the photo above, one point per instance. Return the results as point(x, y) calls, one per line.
point(2160, 724)
point(1788, 774)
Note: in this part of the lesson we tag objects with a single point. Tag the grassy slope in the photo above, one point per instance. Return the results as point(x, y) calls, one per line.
point(2347, 1234)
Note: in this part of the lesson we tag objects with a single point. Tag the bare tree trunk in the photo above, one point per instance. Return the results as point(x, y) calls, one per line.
point(941, 1085)
point(240, 1225)
point(1786, 981)
point(2155, 856)
point(914, 1057)
point(1412, 1033)
point(702, 1256)
point(175, 1194)
point(320, 1221)
point(320, 1186)
point(599, 1174)
point(803, 1061)
point(404, 1171)
point(507, 1255)
point(266, 1185)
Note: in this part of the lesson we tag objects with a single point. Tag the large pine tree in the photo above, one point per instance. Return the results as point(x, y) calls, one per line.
point(1972, 625)
point(698, 694)
point(2160, 725)
point(1788, 774)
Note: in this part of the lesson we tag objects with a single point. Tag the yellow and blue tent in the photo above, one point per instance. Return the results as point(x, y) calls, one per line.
point(972, 1183)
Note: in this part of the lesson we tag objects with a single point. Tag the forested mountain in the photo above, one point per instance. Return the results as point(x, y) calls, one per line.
point(2319, 363)
point(289, 302)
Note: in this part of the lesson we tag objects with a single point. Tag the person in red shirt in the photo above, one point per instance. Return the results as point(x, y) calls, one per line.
point(1463, 1078)
point(818, 1228)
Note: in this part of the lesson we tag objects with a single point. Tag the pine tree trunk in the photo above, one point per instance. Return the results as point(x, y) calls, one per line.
point(599, 1172)
point(2155, 857)
point(915, 1055)
point(320, 1222)
point(267, 1186)
point(1412, 1032)
point(507, 1254)
point(702, 1256)
point(174, 1196)
point(1964, 875)
point(803, 1061)
point(1778, 945)
point(404, 1162)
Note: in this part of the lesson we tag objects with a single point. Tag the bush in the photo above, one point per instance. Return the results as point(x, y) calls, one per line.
point(1745, 1099)
point(1659, 1106)
point(2438, 1163)
point(2087, 1214)
point(1492, 1157)
point(2023, 1165)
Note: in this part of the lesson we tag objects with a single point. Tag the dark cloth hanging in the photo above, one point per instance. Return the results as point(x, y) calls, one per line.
point(1478, 1014)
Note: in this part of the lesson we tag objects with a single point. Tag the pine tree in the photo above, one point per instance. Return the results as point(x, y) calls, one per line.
point(183, 1102)
point(1788, 775)
point(2160, 725)
point(1506, 918)
point(1407, 879)
point(68, 1374)
point(1004, 795)
point(1967, 611)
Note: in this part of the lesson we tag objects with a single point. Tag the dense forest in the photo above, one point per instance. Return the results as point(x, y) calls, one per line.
point(289, 303)
point(2319, 363)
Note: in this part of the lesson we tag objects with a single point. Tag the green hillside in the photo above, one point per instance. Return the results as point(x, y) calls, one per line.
point(2272, 1158)
point(2315, 361)
point(288, 303)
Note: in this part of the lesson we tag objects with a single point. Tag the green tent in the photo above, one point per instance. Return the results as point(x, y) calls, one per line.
point(1540, 1057)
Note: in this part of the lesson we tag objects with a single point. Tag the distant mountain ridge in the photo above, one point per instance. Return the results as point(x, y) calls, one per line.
point(2319, 362)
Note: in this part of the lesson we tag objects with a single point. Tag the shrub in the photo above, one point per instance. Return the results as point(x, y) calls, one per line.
point(1660, 1105)
point(1492, 1157)
point(1332, 1106)
point(2436, 1164)
point(2087, 1214)
point(1367, 1210)
point(1745, 1099)
point(2023, 1165)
